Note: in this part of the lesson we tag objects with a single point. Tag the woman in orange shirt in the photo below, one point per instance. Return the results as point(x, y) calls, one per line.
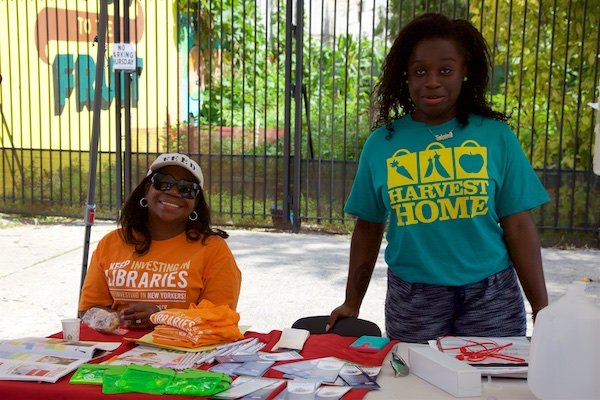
point(165, 254)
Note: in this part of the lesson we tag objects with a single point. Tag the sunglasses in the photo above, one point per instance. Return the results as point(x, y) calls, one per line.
point(187, 189)
point(398, 364)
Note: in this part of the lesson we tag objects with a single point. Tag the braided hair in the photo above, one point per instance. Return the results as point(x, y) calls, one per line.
point(392, 97)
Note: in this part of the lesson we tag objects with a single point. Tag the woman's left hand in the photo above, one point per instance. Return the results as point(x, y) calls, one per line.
point(137, 316)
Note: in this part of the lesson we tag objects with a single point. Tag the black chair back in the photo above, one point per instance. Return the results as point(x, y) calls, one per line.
point(344, 327)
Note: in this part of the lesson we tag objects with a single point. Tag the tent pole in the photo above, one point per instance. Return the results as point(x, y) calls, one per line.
point(90, 206)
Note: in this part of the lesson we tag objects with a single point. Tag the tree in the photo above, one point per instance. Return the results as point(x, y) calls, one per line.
point(400, 12)
point(546, 58)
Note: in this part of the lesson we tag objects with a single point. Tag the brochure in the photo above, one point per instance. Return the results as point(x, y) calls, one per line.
point(351, 368)
point(253, 368)
point(322, 393)
point(359, 378)
point(148, 355)
point(242, 387)
point(260, 356)
point(298, 389)
point(321, 369)
point(226, 368)
point(264, 393)
point(46, 359)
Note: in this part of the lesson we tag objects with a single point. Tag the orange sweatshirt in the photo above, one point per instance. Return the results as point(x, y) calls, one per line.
point(173, 274)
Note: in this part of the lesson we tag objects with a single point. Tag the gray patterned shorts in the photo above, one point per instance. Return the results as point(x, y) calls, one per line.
point(492, 307)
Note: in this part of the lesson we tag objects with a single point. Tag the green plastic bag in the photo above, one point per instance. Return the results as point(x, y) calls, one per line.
point(194, 382)
point(92, 374)
point(110, 381)
point(145, 379)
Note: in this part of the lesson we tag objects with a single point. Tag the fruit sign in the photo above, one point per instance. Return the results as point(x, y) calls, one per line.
point(48, 62)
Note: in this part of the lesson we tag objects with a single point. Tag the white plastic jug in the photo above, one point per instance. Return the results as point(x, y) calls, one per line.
point(564, 361)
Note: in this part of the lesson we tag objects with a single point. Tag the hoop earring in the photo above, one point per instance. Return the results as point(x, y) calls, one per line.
point(143, 202)
point(193, 216)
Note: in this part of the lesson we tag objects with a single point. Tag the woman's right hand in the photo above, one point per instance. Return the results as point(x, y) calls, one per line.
point(137, 316)
point(343, 311)
point(364, 249)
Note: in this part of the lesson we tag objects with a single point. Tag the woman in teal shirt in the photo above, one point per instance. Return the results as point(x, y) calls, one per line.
point(449, 178)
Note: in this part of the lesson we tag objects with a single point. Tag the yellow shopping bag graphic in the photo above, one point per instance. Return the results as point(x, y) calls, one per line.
point(436, 163)
point(471, 161)
point(402, 169)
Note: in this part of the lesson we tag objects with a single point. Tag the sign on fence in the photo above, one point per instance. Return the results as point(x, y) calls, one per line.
point(124, 57)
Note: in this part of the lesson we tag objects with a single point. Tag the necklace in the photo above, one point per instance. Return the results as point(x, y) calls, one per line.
point(443, 136)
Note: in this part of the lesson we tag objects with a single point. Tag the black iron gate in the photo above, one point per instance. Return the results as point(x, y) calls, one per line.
point(273, 99)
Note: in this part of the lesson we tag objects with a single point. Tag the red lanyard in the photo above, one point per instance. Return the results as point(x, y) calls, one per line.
point(477, 351)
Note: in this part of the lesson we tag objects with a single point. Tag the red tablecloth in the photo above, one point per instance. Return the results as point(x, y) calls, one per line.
point(317, 346)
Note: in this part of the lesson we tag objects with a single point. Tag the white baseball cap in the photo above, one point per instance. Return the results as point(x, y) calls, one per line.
point(179, 160)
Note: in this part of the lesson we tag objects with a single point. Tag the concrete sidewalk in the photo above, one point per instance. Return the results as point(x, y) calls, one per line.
point(285, 276)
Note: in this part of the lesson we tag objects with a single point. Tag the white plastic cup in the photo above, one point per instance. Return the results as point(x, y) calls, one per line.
point(71, 328)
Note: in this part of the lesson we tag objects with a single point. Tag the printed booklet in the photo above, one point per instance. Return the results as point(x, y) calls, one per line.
point(46, 359)
point(149, 355)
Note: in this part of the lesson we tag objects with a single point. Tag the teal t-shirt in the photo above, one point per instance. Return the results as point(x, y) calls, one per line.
point(444, 200)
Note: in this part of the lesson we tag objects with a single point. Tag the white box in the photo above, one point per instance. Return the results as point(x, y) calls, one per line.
point(446, 372)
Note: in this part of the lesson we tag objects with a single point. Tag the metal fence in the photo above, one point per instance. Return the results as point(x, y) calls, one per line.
point(272, 98)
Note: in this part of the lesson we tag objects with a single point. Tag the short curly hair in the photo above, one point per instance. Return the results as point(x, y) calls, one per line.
point(392, 98)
